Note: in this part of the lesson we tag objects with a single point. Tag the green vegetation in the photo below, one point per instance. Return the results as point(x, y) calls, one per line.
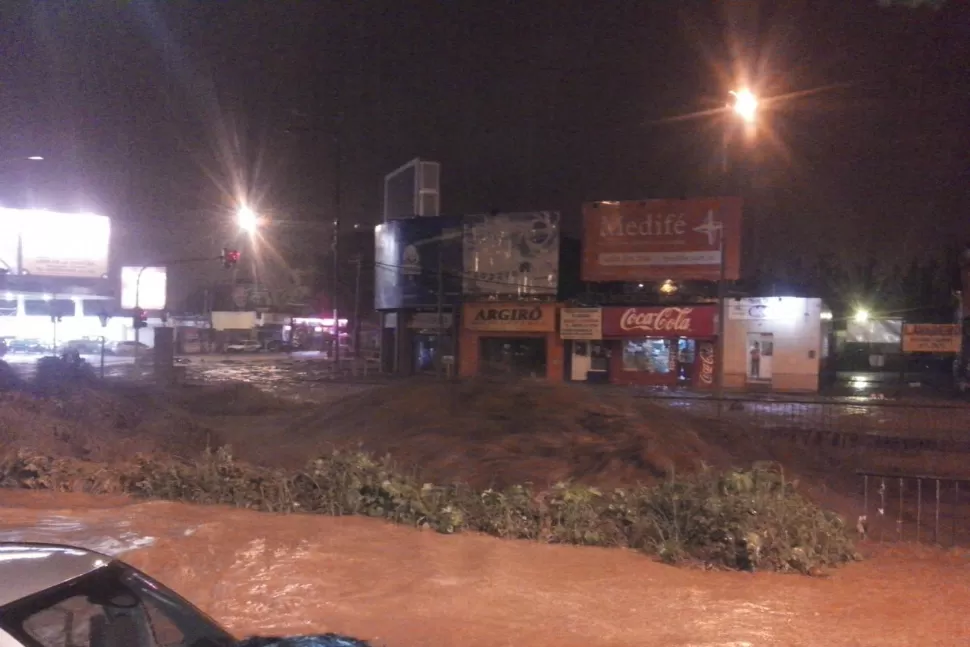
point(735, 519)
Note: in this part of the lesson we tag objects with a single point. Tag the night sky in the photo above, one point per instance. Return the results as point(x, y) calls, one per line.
point(160, 114)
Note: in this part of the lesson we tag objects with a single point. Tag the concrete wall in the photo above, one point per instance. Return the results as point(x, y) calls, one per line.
point(796, 328)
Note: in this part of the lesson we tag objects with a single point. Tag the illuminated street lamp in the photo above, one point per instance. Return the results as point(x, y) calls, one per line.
point(745, 105)
point(35, 158)
point(861, 315)
point(246, 219)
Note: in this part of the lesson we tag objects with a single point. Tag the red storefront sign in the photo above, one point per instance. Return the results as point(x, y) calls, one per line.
point(678, 321)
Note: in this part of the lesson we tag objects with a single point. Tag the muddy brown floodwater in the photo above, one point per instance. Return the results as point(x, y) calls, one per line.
point(400, 587)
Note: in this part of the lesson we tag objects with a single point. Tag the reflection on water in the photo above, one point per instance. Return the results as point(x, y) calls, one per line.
point(270, 574)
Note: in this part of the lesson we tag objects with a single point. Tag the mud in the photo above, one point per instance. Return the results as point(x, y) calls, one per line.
point(402, 587)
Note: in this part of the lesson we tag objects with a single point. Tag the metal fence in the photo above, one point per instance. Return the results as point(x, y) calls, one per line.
point(908, 507)
point(843, 422)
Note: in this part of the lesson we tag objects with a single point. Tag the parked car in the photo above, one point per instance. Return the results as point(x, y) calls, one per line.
point(129, 348)
point(52, 594)
point(245, 346)
point(26, 346)
point(277, 346)
point(82, 346)
point(63, 595)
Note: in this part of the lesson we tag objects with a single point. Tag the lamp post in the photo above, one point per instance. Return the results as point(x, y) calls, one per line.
point(745, 108)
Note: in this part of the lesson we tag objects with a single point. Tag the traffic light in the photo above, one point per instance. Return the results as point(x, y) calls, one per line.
point(229, 258)
point(139, 318)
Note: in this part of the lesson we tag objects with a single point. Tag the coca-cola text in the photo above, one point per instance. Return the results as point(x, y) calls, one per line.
point(665, 320)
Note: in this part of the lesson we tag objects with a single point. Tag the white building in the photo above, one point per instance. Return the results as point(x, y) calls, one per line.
point(774, 343)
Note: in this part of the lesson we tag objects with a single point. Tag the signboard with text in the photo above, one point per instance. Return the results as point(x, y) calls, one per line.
point(659, 321)
point(654, 240)
point(430, 321)
point(581, 323)
point(931, 338)
point(509, 317)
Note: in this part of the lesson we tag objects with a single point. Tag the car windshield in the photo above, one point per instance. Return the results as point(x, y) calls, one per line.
point(115, 606)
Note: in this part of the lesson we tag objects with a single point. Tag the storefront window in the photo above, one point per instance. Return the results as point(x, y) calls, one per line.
point(649, 355)
point(513, 356)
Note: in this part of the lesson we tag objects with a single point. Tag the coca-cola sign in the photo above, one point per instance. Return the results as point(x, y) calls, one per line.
point(671, 321)
point(705, 373)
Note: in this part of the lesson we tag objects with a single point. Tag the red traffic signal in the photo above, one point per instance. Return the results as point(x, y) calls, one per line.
point(139, 318)
point(229, 258)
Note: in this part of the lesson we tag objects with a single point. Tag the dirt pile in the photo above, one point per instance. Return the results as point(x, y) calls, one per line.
point(99, 423)
point(493, 433)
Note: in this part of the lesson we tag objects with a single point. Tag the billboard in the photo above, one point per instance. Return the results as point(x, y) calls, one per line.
point(44, 243)
point(406, 262)
point(660, 321)
point(511, 254)
point(148, 293)
point(654, 240)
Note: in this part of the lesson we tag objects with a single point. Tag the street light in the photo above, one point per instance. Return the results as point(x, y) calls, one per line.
point(246, 219)
point(745, 105)
point(35, 158)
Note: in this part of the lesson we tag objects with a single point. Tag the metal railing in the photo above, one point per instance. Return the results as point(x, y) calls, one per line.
point(918, 507)
point(847, 422)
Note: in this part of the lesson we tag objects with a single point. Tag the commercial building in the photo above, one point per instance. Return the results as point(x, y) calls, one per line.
point(644, 345)
point(428, 268)
point(510, 338)
point(54, 283)
point(774, 343)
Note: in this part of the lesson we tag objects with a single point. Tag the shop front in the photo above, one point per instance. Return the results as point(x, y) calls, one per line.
point(774, 343)
point(659, 346)
point(510, 339)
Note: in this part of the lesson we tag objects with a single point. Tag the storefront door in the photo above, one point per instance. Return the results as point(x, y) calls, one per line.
point(590, 362)
point(760, 349)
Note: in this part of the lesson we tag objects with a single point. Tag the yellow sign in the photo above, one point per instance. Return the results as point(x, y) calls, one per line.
point(509, 317)
point(931, 338)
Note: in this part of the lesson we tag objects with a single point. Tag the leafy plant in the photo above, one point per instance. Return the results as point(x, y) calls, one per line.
point(740, 519)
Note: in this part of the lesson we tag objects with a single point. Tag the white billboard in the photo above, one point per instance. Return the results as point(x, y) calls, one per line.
point(148, 293)
point(71, 245)
point(511, 254)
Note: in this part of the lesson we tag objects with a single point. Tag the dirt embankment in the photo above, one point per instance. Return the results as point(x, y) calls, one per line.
point(110, 422)
point(485, 433)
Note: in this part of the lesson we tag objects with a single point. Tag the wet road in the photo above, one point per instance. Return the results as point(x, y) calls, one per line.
point(406, 588)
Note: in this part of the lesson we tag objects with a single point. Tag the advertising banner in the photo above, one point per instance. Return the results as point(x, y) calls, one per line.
point(683, 321)
point(932, 338)
point(654, 240)
point(149, 293)
point(511, 254)
point(71, 245)
point(407, 257)
point(430, 321)
point(581, 323)
point(509, 317)
point(704, 365)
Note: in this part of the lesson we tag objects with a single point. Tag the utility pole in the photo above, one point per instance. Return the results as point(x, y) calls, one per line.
point(439, 337)
point(357, 261)
point(337, 206)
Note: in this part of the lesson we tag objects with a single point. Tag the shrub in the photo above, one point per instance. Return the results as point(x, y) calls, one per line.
point(742, 519)
point(58, 374)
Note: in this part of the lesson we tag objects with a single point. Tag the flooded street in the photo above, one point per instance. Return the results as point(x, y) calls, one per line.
point(260, 573)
